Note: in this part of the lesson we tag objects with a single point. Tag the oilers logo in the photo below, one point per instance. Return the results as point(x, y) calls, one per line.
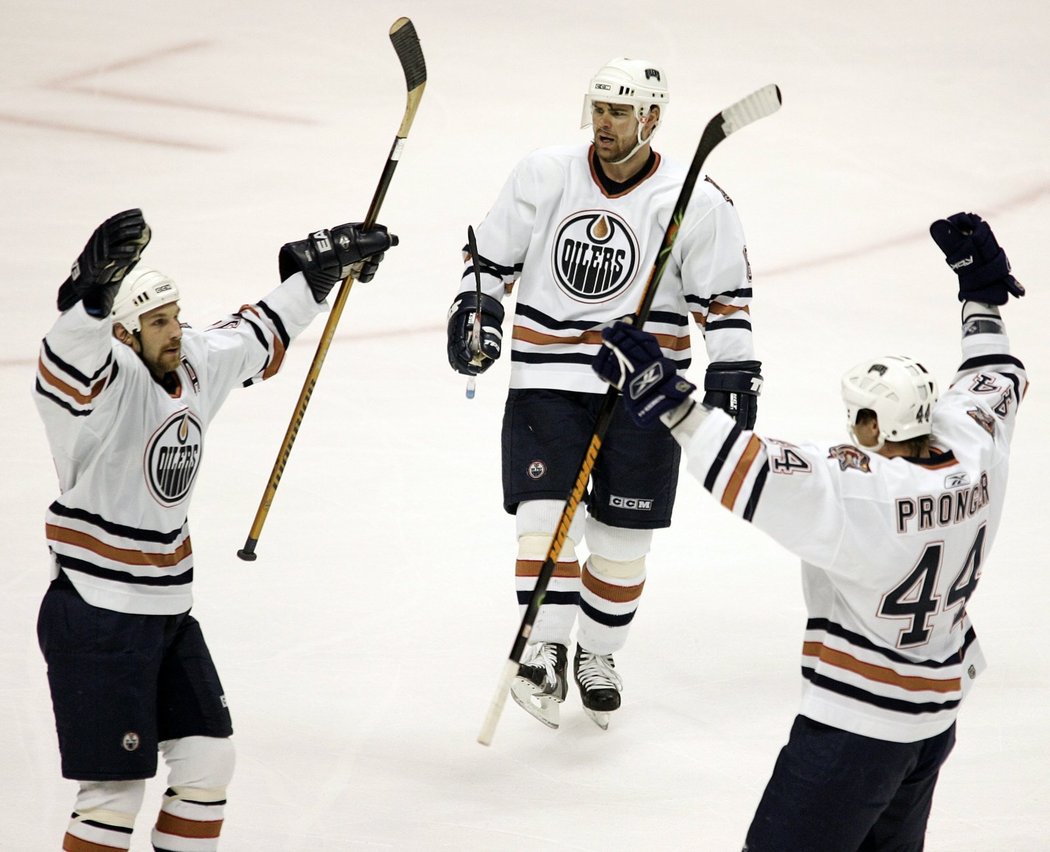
point(595, 256)
point(172, 457)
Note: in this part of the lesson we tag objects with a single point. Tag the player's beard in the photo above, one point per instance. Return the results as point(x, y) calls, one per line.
point(612, 149)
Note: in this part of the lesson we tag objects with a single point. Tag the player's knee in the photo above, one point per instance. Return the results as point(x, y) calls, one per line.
point(111, 804)
point(536, 521)
point(617, 552)
point(199, 768)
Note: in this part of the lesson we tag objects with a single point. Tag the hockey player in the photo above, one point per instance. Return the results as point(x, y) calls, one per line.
point(126, 394)
point(577, 229)
point(893, 531)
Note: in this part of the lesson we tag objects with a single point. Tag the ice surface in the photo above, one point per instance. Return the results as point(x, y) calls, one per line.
point(360, 651)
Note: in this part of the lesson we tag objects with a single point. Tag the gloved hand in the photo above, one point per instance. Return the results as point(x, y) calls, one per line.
point(462, 356)
point(631, 361)
point(113, 250)
point(971, 250)
point(327, 257)
point(734, 387)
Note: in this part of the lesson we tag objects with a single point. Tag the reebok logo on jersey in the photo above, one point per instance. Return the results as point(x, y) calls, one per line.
point(595, 256)
point(172, 458)
point(966, 261)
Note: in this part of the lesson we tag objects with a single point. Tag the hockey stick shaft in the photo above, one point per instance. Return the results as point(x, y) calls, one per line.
point(758, 104)
point(475, 334)
point(406, 44)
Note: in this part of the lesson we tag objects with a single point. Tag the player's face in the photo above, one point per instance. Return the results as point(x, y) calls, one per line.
point(161, 339)
point(615, 130)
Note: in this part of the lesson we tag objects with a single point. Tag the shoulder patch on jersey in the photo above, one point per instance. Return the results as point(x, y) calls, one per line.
point(725, 194)
point(983, 419)
point(848, 456)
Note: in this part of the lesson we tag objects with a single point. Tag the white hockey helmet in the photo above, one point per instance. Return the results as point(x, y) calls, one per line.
point(637, 82)
point(142, 290)
point(898, 389)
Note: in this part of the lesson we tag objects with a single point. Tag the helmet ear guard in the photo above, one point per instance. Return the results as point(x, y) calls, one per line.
point(900, 391)
point(142, 290)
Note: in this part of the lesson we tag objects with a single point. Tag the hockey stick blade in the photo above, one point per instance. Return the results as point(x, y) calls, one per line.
point(758, 104)
point(410, 55)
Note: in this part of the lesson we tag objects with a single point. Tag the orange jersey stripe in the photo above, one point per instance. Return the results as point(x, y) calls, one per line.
point(539, 338)
point(719, 310)
point(118, 554)
point(879, 674)
point(53, 381)
point(747, 458)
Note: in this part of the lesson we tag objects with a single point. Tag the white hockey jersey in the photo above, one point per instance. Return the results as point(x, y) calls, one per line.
point(127, 452)
point(892, 549)
point(581, 257)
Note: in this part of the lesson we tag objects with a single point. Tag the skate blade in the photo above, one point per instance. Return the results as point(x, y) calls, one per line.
point(599, 719)
point(546, 708)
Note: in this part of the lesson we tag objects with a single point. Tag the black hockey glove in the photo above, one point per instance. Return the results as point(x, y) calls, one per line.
point(632, 362)
point(734, 387)
point(327, 257)
point(971, 250)
point(113, 250)
point(462, 355)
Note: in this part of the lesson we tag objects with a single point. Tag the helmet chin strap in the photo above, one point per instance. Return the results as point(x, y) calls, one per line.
point(874, 448)
point(642, 123)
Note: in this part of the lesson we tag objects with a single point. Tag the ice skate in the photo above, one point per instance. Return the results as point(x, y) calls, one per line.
point(540, 685)
point(599, 685)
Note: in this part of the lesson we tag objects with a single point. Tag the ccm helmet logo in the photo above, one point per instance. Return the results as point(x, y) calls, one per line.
point(604, 87)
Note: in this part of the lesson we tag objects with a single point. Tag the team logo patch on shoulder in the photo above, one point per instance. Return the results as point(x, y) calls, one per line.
point(131, 741)
point(983, 419)
point(595, 256)
point(172, 458)
point(849, 456)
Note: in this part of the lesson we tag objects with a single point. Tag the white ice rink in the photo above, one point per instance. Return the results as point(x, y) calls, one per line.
point(360, 651)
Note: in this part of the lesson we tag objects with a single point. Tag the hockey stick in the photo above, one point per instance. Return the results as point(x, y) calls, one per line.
point(475, 333)
point(758, 104)
point(410, 54)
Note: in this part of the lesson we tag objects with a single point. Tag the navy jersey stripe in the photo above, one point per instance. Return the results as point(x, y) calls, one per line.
point(859, 641)
point(72, 371)
point(913, 708)
point(720, 459)
point(61, 403)
point(151, 536)
point(183, 579)
point(278, 324)
point(756, 492)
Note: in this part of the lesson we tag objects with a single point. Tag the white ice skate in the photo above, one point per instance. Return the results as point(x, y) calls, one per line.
point(540, 686)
